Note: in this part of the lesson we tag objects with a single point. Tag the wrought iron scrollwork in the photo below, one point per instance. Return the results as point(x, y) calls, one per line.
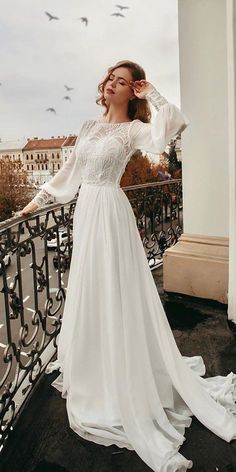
point(32, 296)
point(158, 210)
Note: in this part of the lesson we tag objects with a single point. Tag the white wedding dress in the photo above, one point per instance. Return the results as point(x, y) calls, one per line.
point(123, 377)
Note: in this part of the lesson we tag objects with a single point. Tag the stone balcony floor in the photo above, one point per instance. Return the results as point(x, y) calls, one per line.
point(42, 440)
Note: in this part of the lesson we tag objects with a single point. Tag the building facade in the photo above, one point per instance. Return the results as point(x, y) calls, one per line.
point(41, 158)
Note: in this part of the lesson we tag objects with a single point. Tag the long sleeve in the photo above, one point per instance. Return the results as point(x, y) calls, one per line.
point(65, 183)
point(41, 198)
point(167, 123)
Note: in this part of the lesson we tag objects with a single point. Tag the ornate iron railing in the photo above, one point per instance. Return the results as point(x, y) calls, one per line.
point(158, 210)
point(33, 281)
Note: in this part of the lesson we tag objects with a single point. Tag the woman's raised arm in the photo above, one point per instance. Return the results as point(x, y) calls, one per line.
point(167, 123)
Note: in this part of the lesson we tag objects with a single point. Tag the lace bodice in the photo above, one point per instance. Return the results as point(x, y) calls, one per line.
point(102, 150)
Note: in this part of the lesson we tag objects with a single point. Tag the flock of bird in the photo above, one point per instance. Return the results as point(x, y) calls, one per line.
point(84, 19)
point(67, 97)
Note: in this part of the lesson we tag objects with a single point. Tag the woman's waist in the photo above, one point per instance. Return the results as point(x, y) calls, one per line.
point(100, 183)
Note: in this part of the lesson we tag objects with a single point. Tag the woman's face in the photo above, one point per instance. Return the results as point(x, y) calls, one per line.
point(118, 82)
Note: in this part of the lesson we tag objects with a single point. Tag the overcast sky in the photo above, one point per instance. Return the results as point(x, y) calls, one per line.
point(38, 57)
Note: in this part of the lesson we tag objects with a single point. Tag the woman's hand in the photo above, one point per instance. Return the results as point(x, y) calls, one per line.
point(141, 87)
point(27, 209)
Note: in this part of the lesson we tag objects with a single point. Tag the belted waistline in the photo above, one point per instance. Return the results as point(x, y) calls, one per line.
point(103, 184)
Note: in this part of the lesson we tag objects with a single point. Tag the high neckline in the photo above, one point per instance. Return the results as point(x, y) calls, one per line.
point(99, 120)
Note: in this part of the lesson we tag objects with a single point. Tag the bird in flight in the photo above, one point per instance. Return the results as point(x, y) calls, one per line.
point(84, 19)
point(51, 17)
point(121, 7)
point(68, 88)
point(66, 98)
point(51, 109)
point(117, 14)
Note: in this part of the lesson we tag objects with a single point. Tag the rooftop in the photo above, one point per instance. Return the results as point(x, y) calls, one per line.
point(70, 141)
point(50, 143)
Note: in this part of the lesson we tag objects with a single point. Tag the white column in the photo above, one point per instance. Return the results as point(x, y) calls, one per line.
point(198, 264)
point(231, 43)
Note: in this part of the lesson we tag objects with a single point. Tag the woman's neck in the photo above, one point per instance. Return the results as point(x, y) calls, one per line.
point(116, 116)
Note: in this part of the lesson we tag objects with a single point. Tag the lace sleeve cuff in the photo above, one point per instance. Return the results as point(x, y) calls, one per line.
point(156, 98)
point(41, 198)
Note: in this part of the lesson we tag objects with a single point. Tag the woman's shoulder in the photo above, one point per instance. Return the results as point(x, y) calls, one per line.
point(86, 125)
point(137, 123)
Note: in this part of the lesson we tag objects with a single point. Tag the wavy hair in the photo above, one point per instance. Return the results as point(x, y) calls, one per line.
point(138, 108)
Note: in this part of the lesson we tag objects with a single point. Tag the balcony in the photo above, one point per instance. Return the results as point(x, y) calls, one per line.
point(35, 434)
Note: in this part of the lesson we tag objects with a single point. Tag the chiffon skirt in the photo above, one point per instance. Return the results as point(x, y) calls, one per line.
point(123, 377)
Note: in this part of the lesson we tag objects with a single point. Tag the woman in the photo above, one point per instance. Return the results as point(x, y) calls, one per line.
point(124, 379)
